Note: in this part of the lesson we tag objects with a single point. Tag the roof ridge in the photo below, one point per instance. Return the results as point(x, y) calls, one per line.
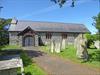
point(48, 22)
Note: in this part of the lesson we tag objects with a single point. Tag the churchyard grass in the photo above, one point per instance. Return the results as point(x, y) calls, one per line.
point(70, 54)
point(30, 67)
point(8, 47)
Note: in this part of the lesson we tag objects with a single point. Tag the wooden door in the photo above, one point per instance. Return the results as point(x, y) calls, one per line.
point(29, 41)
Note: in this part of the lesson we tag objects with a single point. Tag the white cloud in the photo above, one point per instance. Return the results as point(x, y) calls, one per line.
point(45, 10)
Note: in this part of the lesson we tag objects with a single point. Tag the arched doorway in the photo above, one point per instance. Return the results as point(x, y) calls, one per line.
point(28, 41)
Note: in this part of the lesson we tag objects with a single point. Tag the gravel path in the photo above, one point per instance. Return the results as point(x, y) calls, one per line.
point(57, 66)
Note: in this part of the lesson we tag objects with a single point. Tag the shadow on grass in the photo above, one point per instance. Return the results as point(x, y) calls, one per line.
point(33, 53)
point(95, 56)
point(10, 52)
point(25, 55)
point(28, 73)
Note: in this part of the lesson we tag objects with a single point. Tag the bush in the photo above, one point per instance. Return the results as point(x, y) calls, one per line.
point(26, 59)
point(91, 38)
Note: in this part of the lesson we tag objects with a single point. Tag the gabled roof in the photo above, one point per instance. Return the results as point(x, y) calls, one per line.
point(26, 30)
point(48, 26)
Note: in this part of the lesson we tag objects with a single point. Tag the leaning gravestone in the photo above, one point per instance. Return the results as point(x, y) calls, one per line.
point(82, 48)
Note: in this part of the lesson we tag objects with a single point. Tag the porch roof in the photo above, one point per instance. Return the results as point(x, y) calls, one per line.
point(26, 30)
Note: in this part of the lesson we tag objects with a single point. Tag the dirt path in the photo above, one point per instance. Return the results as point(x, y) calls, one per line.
point(56, 66)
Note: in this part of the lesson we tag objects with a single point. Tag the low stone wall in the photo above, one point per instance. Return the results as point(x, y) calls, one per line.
point(10, 64)
point(9, 72)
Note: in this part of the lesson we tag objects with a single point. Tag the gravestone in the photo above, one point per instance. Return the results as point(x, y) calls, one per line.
point(75, 43)
point(36, 40)
point(10, 65)
point(52, 46)
point(63, 44)
point(82, 48)
point(57, 47)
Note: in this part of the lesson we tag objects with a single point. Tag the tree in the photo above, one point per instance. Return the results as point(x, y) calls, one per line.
point(90, 39)
point(4, 39)
point(97, 23)
point(62, 2)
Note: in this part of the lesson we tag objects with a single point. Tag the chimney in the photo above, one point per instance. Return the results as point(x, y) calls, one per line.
point(14, 21)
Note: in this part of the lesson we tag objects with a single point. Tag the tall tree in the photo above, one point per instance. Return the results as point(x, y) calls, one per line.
point(97, 23)
point(62, 2)
point(4, 39)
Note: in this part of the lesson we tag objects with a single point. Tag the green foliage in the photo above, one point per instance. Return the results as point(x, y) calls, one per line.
point(4, 39)
point(62, 2)
point(91, 38)
point(97, 24)
point(97, 21)
point(26, 59)
point(10, 47)
point(33, 69)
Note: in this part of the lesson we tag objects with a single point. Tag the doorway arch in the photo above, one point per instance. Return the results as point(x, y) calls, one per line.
point(28, 41)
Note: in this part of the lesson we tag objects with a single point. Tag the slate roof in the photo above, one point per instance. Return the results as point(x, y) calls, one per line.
point(48, 26)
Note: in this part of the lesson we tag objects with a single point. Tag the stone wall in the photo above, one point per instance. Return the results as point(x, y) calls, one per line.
point(43, 38)
point(13, 38)
point(57, 37)
point(71, 37)
point(20, 41)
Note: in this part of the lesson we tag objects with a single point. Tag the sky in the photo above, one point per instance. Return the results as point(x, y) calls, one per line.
point(45, 10)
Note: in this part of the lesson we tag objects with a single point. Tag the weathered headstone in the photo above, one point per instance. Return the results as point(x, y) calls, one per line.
point(36, 40)
point(63, 44)
point(82, 48)
point(75, 43)
point(52, 46)
point(57, 47)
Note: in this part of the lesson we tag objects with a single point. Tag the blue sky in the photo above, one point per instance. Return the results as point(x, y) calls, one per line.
point(45, 10)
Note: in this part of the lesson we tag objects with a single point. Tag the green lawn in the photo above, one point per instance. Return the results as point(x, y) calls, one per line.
point(12, 47)
point(70, 54)
point(30, 67)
